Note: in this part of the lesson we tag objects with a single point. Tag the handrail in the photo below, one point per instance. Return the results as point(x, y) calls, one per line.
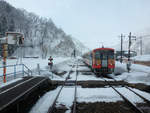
point(23, 69)
point(28, 69)
point(11, 65)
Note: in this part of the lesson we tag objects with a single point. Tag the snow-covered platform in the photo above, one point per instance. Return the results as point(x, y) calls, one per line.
point(14, 94)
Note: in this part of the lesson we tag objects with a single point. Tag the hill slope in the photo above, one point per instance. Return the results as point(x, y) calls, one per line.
point(42, 37)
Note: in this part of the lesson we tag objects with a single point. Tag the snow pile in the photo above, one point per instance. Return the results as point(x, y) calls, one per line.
point(119, 68)
point(138, 73)
point(142, 58)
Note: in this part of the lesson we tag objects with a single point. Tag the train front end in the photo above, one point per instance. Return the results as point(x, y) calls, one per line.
point(103, 60)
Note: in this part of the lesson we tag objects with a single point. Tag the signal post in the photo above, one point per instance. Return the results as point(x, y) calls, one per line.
point(11, 38)
point(5, 53)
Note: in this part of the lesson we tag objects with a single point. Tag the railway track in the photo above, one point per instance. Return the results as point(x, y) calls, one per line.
point(145, 108)
point(51, 108)
point(75, 94)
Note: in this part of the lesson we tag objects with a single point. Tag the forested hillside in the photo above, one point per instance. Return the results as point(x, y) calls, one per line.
point(42, 37)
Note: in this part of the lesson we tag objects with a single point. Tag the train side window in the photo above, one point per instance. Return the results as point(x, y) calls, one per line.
point(97, 55)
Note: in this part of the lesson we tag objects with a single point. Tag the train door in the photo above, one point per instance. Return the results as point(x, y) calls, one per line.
point(104, 58)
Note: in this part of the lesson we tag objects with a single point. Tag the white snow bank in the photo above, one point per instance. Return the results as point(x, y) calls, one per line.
point(135, 77)
point(122, 67)
point(138, 73)
point(140, 68)
point(142, 58)
point(119, 68)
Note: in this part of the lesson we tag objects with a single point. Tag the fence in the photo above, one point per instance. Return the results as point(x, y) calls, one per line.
point(15, 71)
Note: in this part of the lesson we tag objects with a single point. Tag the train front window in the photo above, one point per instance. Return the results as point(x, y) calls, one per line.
point(104, 54)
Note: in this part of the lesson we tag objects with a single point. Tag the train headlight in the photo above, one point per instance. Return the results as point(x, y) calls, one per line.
point(98, 62)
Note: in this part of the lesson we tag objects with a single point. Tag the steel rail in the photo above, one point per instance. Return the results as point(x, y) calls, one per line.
point(51, 108)
point(124, 98)
point(75, 94)
point(146, 100)
point(127, 100)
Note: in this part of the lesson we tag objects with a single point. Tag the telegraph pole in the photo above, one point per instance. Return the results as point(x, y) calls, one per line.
point(141, 45)
point(129, 49)
point(121, 36)
point(74, 53)
point(129, 46)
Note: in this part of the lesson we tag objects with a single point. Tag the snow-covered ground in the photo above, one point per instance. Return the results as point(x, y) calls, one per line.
point(31, 63)
point(67, 96)
point(138, 73)
point(142, 58)
point(86, 95)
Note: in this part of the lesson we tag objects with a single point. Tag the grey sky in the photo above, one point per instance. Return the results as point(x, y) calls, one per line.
point(92, 21)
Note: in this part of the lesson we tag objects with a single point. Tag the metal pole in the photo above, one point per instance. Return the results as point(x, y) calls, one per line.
point(5, 47)
point(121, 47)
point(38, 68)
point(129, 46)
point(128, 64)
point(14, 71)
point(23, 69)
point(141, 45)
point(74, 53)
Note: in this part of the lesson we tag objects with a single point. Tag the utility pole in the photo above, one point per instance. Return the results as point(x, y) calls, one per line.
point(121, 36)
point(129, 46)
point(129, 49)
point(141, 44)
point(74, 53)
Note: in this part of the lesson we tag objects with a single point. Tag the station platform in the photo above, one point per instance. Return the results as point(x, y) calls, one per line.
point(11, 95)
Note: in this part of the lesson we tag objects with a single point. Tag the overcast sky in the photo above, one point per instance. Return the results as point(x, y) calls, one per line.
point(92, 21)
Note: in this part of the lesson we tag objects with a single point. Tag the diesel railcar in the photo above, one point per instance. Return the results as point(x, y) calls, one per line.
point(101, 60)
